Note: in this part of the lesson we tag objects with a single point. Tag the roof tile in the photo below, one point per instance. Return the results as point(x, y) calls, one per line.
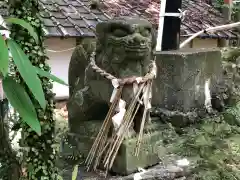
point(76, 18)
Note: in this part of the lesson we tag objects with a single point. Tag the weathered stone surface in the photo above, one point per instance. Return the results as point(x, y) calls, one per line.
point(182, 75)
point(158, 172)
point(151, 150)
point(126, 162)
point(124, 48)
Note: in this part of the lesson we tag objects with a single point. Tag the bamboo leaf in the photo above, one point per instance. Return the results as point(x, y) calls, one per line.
point(25, 25)
point(75, 172)
point(4, 58)
point(20, 100)
point(27, 72)
point(50, 76)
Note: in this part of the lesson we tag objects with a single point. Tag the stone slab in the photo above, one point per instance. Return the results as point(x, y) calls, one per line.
point(182, 75)
point(126, 162)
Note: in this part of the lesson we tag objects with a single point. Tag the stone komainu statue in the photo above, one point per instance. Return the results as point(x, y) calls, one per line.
point(124, 47)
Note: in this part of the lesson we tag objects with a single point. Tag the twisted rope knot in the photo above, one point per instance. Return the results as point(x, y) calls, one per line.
point(152, 73)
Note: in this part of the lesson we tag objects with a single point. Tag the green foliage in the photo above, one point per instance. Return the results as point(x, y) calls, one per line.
point(20, 100)
point(39, 154)
point(4, 59)
point(27, 72)
point(236, 11)
point(49, 76)
point(25, 90)
point(212, 146)
point(25, 25)
point(61, 129)
point(220, 4)
point(75, 172)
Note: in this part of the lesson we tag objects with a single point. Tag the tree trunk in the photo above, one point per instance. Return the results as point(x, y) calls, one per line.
point(10, 168)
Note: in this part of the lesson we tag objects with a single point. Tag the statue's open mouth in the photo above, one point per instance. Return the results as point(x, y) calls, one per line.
point(132, 47)
point(136, 49)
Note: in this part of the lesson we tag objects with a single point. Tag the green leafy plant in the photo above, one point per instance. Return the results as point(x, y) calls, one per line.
point(15, 92)
point(75, 172)
point(219, 4)
point(36, 148)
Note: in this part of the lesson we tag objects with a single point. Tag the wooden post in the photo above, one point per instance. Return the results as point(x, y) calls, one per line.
point(169, 25)
point(227, 12)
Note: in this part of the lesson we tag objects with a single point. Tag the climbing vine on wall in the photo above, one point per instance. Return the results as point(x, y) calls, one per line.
point(236, 7)
point(39, 157)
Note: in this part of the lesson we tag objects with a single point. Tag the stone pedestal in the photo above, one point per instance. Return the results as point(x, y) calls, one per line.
point(151, 150)
point(181, 78)
point(126, 162)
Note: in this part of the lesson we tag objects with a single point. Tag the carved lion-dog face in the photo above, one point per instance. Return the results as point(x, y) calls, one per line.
point(126, 43)
point(131, 36)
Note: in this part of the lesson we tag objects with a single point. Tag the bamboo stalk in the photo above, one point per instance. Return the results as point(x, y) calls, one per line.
point(211, 29)
point(127, 118)
point(99, 152)
point(115, 154)
point(143, 120)
point(110, 147)
point(105, 124)
point(117, 137)
point(100, 155)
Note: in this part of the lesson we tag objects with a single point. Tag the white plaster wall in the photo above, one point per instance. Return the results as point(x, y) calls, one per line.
point(59, 62)
point(205, 43)
point(200, 43)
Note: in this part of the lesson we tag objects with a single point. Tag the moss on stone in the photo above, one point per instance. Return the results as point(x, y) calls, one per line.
point(230, 54)
point(212, 146)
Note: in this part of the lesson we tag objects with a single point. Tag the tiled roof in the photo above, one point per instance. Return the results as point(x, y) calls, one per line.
point(75, 18)
point(199, 15)
point(70, 17)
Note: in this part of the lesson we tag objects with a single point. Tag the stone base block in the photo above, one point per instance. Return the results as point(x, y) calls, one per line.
point(126, 162)
point(182, 77)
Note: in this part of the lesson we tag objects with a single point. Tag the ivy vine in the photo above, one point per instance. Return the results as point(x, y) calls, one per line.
point(39, 155)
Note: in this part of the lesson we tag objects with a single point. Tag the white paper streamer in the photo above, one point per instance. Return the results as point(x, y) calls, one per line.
point(115, 84)
point(121, 107)
point(118, 118)
point(2, 94)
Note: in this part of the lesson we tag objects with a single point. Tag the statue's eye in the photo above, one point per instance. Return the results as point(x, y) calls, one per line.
point(119, 32)
point(145, 32)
